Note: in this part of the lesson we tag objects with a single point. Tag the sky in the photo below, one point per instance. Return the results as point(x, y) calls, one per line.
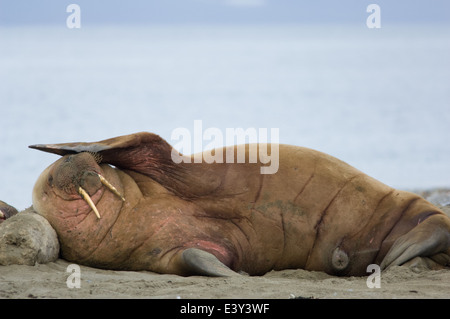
point(94, 12)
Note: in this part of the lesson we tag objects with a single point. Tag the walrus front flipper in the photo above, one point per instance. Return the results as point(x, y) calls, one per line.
point(70, 148)
point(125, 143)
point(131, 143)
point(146, 153)
point(202, 263)
point(143, 152)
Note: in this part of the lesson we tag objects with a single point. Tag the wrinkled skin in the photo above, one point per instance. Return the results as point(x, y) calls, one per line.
point(316, 213)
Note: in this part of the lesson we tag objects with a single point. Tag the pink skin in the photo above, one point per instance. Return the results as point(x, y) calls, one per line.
point(57, 198)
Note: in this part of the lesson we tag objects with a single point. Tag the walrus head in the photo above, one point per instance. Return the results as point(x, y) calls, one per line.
point(74, 183)
point(71, 179)
point(6, 211)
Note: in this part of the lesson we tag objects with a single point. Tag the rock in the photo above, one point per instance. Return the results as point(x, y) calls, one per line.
point(446, 209)
point(436, 196)
point(26, 239)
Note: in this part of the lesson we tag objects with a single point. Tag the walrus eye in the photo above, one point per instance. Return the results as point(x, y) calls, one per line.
point(84, 194)
point(50, 180)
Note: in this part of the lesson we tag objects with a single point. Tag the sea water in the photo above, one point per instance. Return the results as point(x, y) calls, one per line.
point(378, 99)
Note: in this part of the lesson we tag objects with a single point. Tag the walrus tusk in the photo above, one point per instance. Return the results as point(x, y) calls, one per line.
point(2, 215)
point(88, 200)
point(110, 187)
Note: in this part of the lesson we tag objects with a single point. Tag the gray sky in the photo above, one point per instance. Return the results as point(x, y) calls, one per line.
point(20, 12)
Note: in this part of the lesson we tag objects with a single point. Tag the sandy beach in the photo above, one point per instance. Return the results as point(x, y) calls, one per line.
point(50, 281)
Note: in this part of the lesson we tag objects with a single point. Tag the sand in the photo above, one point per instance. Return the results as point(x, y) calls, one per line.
point(51, 280)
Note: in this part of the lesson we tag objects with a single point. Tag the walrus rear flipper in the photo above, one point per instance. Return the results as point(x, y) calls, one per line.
point(202, 263)
point(431, 239)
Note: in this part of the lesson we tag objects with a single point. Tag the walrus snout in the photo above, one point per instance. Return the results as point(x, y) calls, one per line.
point(74, 171)
point(90, 182)
point(71, 177)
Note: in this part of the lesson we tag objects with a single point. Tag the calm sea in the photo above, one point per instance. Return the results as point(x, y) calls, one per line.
point(378, 99)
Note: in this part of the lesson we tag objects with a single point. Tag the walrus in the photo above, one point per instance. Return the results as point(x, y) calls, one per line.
point(6, 211)
point(123, 204)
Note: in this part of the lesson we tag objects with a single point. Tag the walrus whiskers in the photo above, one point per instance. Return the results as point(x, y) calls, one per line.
point(88, 200)
point(110, 187)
